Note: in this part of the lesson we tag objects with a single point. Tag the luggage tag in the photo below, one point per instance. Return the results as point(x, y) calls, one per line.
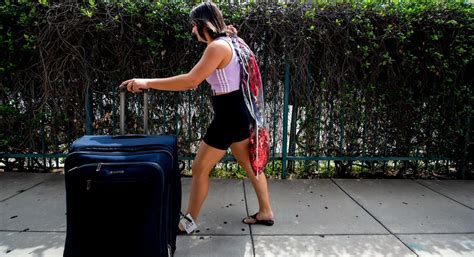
point(187, 223)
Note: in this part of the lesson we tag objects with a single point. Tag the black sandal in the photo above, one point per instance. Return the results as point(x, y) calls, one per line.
point(257, 221)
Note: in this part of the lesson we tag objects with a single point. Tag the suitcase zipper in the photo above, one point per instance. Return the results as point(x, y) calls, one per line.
point(121, 149)
point(100, 164)
point(82, 166)
point(117, 153)
point(112, 172)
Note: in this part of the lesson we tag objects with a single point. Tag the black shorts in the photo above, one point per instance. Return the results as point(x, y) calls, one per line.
point(231, 121)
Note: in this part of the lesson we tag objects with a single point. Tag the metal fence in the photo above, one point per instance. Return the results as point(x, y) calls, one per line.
point(306, 141)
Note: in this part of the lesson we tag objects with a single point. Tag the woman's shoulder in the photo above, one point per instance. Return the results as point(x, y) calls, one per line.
point(221, 40)
point(220, 43)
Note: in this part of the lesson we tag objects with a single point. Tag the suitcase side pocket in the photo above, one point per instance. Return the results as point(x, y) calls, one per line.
point(112, 204)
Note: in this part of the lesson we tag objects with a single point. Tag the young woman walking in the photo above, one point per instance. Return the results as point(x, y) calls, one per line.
point(219, 65)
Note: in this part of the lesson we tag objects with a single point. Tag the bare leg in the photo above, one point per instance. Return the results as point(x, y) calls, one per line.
point(206, 157)
point(241, 153)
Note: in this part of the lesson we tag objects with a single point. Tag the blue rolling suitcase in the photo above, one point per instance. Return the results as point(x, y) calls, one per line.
point(123, 195)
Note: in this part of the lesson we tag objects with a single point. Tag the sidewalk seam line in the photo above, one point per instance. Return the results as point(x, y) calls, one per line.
point(247, 210)
point(324, 235)
point(442, 194)
point(373, 217)
point(438, 233)
point(375, 234)
point(21, 191)
point(32, 231)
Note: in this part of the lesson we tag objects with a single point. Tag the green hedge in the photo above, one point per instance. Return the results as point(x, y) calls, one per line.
point(366, 79)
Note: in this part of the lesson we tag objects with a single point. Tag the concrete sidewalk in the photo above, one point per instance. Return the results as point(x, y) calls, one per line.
point(330, 217)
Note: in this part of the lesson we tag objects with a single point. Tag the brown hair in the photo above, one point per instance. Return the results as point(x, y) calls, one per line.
point(207, 17)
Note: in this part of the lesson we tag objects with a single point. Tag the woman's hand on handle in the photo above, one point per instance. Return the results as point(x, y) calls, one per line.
point(135, 85)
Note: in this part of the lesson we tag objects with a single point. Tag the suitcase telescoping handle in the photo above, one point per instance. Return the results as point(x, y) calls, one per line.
point(123, 91)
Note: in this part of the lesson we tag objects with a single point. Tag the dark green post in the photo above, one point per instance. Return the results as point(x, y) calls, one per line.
point(466, 146)
point(88, 111)
point(114, 109)
point(176, 114)
point(284, 151)
point(164, 115)
point(43, 138)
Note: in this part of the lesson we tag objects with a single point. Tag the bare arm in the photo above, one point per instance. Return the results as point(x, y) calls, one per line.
point(210, 60)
